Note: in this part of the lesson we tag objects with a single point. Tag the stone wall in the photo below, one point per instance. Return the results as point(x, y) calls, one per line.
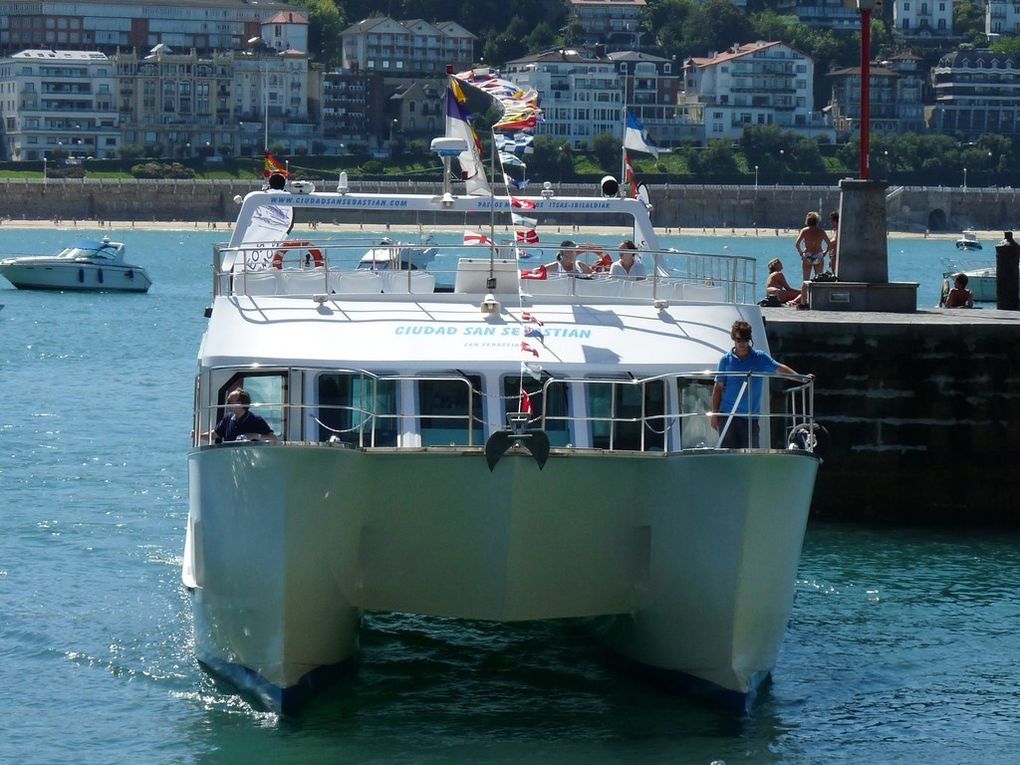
point(709, 207)
point(924, 413)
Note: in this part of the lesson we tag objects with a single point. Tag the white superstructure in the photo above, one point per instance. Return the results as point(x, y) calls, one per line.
point(399, 485)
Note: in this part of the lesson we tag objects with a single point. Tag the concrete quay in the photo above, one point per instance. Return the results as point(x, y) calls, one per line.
point(923, 410)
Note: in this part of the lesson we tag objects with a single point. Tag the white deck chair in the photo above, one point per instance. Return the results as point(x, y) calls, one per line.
point(256, 283)
point(356, 282)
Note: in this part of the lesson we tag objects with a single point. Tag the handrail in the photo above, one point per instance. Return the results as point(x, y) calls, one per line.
point(657, 430)
point(711, 277)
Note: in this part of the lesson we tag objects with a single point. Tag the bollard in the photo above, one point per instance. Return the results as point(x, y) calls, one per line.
point(1007, 274)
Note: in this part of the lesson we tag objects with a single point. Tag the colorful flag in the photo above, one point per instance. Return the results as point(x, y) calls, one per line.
point(634, 137)
point(535, 273)
point(458, 126)
point(473, 237)
point(532, 369)
point(520, 220)
point(527, 236)
point(525, 406)
point(532, 319)
point(522, 204)
point(630, 179)
point(514, 183)
point(528, 349)
point(272, 165)
point(535, 332)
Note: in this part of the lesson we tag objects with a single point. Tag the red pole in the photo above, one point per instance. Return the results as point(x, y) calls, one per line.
point(865, 92)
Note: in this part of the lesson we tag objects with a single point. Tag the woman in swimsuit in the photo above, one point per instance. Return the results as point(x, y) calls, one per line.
point(777, 285)
point(812, 236)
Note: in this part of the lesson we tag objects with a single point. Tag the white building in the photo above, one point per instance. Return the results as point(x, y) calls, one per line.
point(761, 83)
point(287, 30)
point(613, 23)
point(413, 48)
point(581, 97)
point(106, 25)
point(1002, 17)
point(58, 101)
point(923, 18)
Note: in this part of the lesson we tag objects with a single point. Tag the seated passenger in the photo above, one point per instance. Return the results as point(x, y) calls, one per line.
point(566, 263)
point(959, 296)
point(628, 266)
point(242, 424)
point(777, 285)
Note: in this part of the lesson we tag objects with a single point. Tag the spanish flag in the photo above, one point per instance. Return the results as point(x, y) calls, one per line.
point(273, 165)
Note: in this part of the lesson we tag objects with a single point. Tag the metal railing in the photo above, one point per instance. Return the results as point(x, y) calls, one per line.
point(663, 429)
point(317, 266)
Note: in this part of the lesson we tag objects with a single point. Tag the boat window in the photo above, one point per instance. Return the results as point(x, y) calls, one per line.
point(616, 412)
point(357, 409)
point(268, 392)
point(695, 397)
point(557, 411)
point(445, 408)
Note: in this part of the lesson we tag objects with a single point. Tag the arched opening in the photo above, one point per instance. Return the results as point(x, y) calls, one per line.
point(937, 220)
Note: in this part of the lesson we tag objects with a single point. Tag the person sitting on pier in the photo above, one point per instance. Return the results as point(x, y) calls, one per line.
point(566, 262)
point(733, 406)
point(959, 296)
point(813, 237)
point(777, 285)
point(628, 267)
point(240, 424)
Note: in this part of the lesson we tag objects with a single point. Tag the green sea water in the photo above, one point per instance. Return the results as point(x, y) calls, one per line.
point(903, 645)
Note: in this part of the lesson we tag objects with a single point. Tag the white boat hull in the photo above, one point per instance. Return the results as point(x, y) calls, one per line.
point(693, 553)
point(40, 274)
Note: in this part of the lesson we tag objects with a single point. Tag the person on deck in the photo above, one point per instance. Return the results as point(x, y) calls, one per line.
point(735, 394)
point(566, 262)
point(242, 424)
point(628, 266)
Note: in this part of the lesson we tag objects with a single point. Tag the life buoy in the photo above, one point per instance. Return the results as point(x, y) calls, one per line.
point(603, 260)
point(288, 247)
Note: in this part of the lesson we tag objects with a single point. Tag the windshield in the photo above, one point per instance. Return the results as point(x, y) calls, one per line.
point(89, 250)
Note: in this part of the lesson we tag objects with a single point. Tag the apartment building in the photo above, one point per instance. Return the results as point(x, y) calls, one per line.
point(1002, 17)
point(108, 25)
point(651, 87)
point(582, 97)
point(414, 48)
point(977, 91)
point(613, 23)
point(58, 103)
point(923, 18)
point(836, 15)
point(761, 83)
point(896, 104)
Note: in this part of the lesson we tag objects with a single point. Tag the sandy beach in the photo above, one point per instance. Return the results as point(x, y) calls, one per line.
point(566, 231)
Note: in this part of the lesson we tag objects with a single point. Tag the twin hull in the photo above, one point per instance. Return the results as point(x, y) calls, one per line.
point(288, 544)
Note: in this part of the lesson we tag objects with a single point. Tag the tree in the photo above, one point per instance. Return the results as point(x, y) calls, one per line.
point(551, 158)
point(325, 23)
point(130, 151)
point(607, 150)
point(716, 160)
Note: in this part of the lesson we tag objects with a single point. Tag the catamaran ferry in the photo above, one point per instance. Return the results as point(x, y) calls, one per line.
point(480, 440)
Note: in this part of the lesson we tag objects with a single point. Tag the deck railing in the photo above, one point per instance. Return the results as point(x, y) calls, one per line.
point(660, 414)
point(328, 267)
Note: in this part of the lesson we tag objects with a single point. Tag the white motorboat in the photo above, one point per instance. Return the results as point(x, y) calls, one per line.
point(85, 265)
point(968, 241)
point(479, 445)
point(390, 255)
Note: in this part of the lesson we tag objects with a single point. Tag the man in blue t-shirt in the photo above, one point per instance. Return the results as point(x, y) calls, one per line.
point(241, 422)
point(736, 394)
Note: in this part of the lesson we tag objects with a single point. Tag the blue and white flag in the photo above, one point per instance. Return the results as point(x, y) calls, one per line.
point(634, 137)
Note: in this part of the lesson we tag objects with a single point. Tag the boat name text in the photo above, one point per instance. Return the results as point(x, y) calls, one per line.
point(412, 329)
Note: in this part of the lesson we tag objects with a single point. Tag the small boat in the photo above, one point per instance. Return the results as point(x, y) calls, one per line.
point(968, 241)
point(85, 265)
point(390, 255)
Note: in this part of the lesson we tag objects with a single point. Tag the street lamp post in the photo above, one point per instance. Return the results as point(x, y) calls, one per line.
point(755, 177)
point(44, 169)
point(965, 178)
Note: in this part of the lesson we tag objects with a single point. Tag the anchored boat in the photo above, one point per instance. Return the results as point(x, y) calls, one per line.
point(85, 265)
point(464, 441)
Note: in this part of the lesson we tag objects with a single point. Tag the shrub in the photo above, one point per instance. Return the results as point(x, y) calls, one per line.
point(160, 170)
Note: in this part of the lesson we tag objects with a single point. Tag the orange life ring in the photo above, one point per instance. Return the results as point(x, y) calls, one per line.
point(286, 247)
point(603, 260)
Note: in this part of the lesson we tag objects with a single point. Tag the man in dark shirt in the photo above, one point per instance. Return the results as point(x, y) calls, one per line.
point(242, 423)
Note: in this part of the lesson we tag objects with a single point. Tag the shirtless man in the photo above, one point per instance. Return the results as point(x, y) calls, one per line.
point(812, 254)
